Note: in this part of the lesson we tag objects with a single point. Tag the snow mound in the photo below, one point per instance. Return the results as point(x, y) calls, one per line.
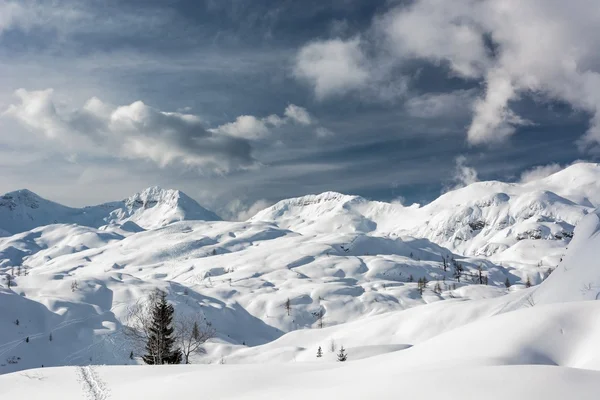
point(578, 277)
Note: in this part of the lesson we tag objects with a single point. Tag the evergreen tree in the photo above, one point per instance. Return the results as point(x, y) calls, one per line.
point(507, 283)
point(342, 356)
point(288, 306)
point(480, 274)
point(528, 283)
point(160, 347)
point(458, 270)
point(319, 352)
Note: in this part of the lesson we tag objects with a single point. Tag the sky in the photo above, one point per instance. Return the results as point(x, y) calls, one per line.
point(241, 103)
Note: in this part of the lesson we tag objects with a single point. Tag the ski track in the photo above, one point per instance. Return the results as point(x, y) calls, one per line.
point(93, 387)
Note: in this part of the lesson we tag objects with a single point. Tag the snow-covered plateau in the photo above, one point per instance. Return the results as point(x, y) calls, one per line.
point(485, 293)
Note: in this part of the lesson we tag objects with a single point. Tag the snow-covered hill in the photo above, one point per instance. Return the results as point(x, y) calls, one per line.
point(23, 210)
point(528, 223)
point(347, 267)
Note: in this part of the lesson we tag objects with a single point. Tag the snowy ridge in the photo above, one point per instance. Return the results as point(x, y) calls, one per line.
point(24, 210)
point(482, 219)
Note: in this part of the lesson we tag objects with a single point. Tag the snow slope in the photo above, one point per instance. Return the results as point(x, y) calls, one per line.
point(65, 289)
point(23, 210)
point(578, 277)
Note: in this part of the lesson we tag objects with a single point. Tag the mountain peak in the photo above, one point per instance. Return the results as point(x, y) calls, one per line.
point(161, 206)
point(23, 210)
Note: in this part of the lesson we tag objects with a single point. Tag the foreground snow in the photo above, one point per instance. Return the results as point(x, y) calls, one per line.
point(369, 379)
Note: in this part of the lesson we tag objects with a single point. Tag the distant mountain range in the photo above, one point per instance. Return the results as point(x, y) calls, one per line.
point(154, 207)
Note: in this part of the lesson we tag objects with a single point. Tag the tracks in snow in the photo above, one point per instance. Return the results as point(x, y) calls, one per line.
point(93, 387)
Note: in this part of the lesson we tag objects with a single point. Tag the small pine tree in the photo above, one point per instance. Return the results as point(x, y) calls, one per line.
point(131, 355)
point(411, 279)
point(27, 339)
point(421, 285)
point(342, 356)
point(438, 288)
point(507, 283)
point(480, 274)
point(319, 352)
point(17, 322)
point(160, 346)
point(288, 306)
point(458, 271)
point(50, 337)
point(528, 283)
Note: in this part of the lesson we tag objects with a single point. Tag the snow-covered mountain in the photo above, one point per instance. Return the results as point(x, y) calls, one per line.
point(482, 219)
point(348, 268)
point(24, 210)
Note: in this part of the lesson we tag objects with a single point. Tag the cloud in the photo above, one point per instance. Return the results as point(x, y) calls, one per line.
point(511, 48)
point(247, 126)
point(332, 66)
point(253, 128)
point(400, 200)
point(237, 210)
point(463, 175)
point(135, 131)
point(539, 172)
point(441, 105)
point(323, 132)
point(298, 114)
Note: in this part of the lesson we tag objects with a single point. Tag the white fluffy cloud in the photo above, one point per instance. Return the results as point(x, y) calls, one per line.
point(549, 48)
point(134, 131)
point(248, 126)
point(298, 114)
point(463, 174)
point(237, 210)
point(333, 66)
point(253, 128)
point(138, 131)
point(539, 172)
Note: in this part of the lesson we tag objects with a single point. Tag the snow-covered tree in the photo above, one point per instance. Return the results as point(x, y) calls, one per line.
point(342, 356)
point(319, 352)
